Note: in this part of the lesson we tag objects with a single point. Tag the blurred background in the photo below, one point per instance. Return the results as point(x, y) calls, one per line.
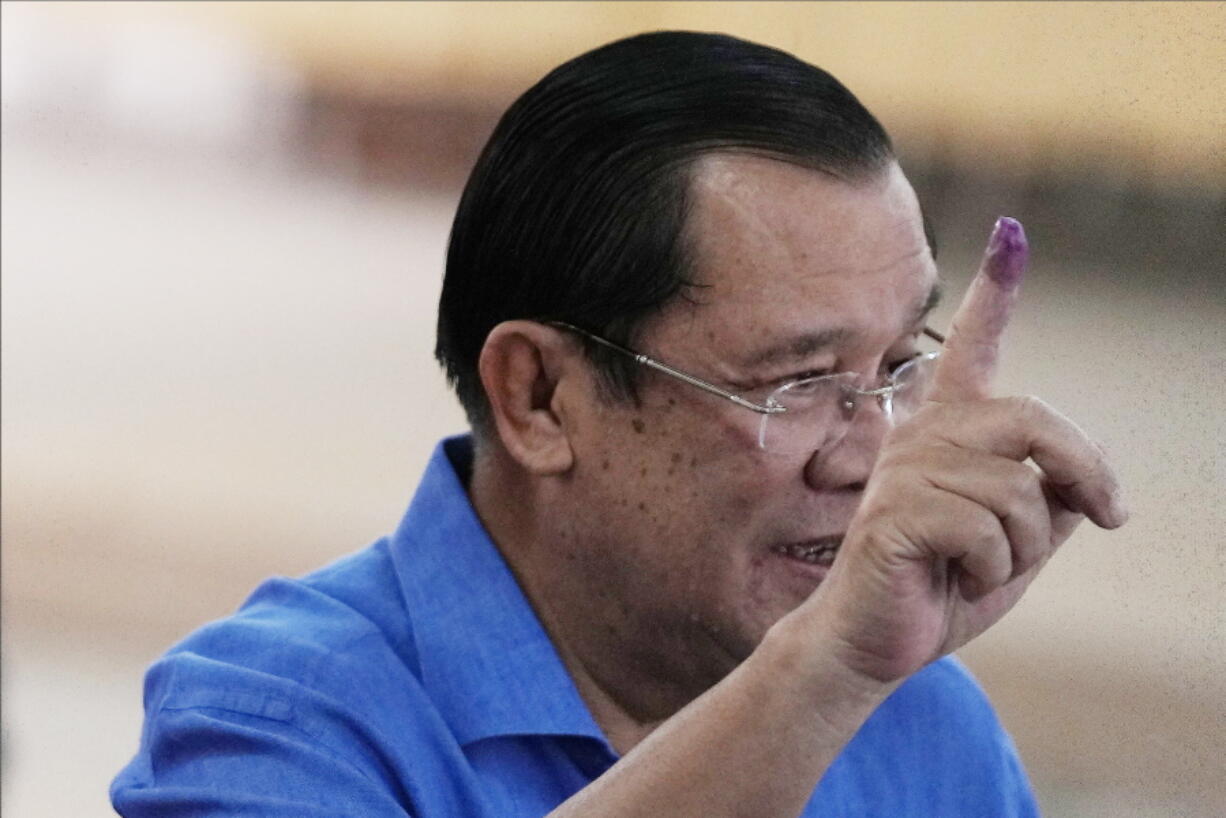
point(223, 239)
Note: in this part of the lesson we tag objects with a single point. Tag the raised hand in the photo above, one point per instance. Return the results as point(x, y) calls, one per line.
point(955, 521)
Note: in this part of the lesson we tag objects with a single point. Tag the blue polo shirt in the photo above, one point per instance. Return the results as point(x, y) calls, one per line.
point(414, 679)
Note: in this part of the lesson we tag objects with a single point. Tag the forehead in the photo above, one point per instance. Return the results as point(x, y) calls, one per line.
point(777, 248)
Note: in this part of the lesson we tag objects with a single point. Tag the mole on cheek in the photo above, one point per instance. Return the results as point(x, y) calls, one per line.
point(605, 465)
point(642, 506)
point(638, 425)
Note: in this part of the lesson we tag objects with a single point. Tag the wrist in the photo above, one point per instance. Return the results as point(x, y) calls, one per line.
point(813, 662)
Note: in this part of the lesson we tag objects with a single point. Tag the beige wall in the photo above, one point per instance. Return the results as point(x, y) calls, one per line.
point(1018, 83)
point(216, 354)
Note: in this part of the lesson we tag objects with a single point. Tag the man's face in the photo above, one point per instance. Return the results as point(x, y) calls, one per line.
point(681, 519)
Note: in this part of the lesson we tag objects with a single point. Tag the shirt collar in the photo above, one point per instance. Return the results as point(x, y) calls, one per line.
point(486, 661)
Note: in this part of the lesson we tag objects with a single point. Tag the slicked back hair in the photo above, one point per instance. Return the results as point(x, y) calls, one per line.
point(576, 208)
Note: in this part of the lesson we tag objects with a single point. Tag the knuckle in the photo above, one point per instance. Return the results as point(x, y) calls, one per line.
point(1002, 571)
point(993, 550)
point(986, 531)
point(1031, 545)
point(1100, 460)
point(1023, 485)
point(1032, 409)
point(1017, 489)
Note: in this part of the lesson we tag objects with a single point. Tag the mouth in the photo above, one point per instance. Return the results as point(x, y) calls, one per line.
point(818, 552)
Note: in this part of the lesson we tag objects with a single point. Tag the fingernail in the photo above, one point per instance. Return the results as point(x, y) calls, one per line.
point(1007, 252)
point(1118, 511)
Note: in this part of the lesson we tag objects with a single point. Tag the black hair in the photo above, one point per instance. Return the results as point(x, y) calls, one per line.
point(576, 207)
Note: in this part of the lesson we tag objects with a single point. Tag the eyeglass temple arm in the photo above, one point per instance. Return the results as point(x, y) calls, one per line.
point(712, 388)
point(690, 379)
point(676, 373)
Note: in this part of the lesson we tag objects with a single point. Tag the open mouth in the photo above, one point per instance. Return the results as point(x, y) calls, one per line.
point(820, 551)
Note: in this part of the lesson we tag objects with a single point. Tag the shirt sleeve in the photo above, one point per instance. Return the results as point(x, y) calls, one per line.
point(933, 748)
point(1017, 795)
point(210, 761)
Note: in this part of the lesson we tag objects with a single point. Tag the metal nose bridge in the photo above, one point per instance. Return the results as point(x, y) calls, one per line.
point(884, 395)
point(887, 389)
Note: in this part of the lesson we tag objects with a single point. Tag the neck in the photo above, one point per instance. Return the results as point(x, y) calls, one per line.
point(619, 677)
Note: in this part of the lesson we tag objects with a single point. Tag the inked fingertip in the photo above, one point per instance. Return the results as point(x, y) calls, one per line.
point(1008, 252)
point(1009, 227)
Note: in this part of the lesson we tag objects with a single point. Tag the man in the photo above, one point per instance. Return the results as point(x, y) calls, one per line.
point(721, 515)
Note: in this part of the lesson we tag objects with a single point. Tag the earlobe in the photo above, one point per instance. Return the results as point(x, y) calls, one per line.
point(521, 366)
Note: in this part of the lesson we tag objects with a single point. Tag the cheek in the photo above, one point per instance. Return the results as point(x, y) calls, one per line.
point(682, 465)
point(693, 481)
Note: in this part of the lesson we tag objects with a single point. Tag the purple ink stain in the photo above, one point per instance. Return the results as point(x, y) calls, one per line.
point(1007, 252)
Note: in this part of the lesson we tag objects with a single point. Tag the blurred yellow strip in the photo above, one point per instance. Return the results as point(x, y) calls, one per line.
point(1142, 83)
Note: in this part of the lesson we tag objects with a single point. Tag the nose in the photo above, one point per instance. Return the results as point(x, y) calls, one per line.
point(846, 465)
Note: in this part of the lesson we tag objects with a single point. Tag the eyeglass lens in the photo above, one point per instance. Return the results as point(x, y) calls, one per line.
point(820, 411)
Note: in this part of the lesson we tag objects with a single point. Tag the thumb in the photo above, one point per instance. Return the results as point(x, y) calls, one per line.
point(967, 364)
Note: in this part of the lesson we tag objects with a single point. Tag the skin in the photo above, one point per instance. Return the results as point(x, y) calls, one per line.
point(728, 674)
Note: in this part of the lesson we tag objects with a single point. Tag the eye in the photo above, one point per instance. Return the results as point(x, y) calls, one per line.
point(803, 386)
point(892, 366)
point(807, 375)
point(770, 384)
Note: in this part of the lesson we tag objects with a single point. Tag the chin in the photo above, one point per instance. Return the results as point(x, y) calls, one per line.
point(782, 591)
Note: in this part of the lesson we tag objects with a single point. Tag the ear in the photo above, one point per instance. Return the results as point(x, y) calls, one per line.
point(521, 366)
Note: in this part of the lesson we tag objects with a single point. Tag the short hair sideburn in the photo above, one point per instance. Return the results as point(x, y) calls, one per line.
point(576, 207)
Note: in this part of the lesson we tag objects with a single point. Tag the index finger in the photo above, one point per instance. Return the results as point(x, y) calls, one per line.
point(968, 362)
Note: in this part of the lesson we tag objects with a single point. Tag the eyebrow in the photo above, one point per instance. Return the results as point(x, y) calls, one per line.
point(802, 346)
point(799, 346)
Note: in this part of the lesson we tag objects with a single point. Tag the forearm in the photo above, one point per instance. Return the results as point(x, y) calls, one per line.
point(755, 744)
